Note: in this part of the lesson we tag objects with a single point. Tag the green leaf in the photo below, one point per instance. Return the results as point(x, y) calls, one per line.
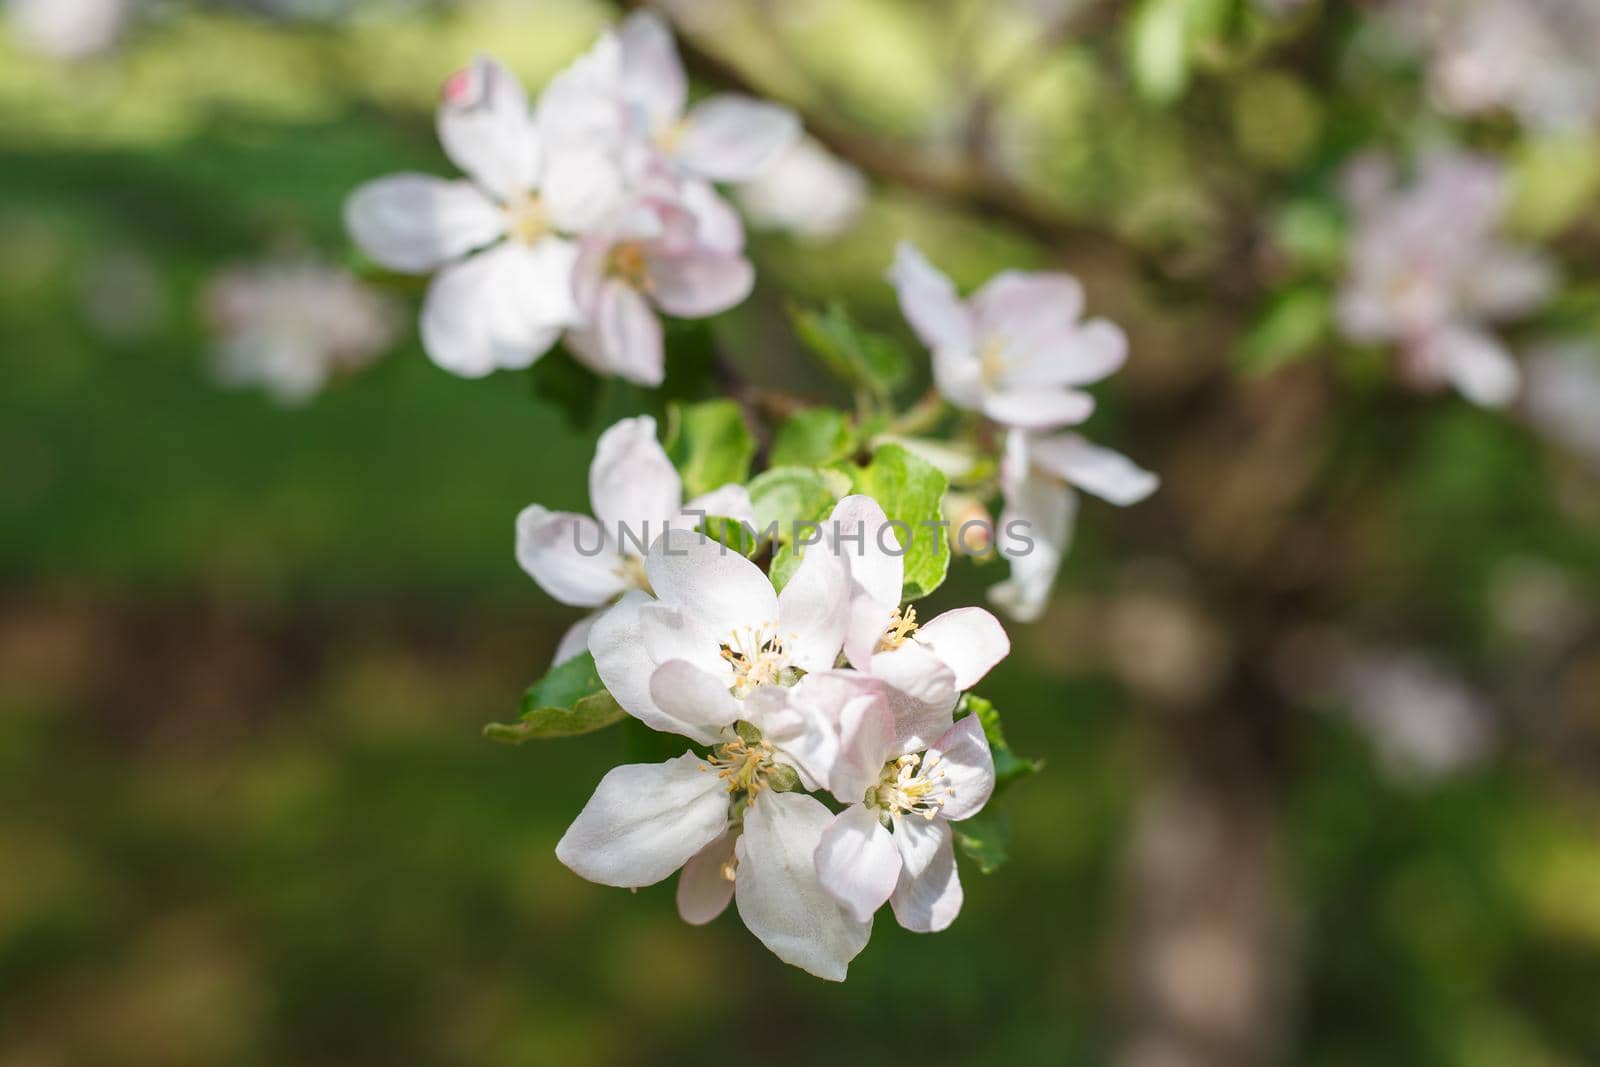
point(710, 445)
point(787, 497)
point(568, 701)
point(1158, 49)
point(862, 358)
point(984, 838)
point(733, 534)
point(1289, 330)
point(911, 491)
point(1008, 766)
point(814, 437)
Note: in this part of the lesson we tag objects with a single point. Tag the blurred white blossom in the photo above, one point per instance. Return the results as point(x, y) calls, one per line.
point(1428, 273)
point(1424, 721)
point(288, 327)
point(1563, 396)
point(68, 29)
point(809, 192)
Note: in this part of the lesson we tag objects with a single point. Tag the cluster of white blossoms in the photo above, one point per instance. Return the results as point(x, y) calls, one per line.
point(1019, 353)
point(1428, 273)
point(582, 213)
point(829, 687)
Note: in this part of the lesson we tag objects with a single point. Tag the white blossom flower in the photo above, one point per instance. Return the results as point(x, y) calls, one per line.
point(1427, 273)
point(68, 29)
point(656, 254)
point(289, 326)
point(1017, 351)
point(1563, 396)
point(503, 291)
point(894, 841)
point(1424, 721)
point(636, 494)
point(924, 665)
point(1038, 476)
point(809, 192)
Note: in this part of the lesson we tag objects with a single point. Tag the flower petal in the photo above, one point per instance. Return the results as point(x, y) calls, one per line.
point(645, 821)
point(1079, 356)
point(779, 896)
point(1479, 366)
point(733, 138)
point(580, 188)
point(624, 665)
point(921, 692)
point(653, 79)
point(1041, 409)
point(1035, 531)
point(569, 556)
point(629, 335)
point(717, 223)
point(487, 131)
point(704, 890)
point(632, 483)
point(857, 862)
point(1109, 475)
point(866, 742)
point(930, 304)
point(813, 609)
point(671, 633)
point(700, 282)
point(502, 308)
point(919, 841)
point(720, 588)
point(969, 641)
point(728, 502)
point(696, 700)
point(575, 642)
point(857, 530)
point(1028, 308)
point(416, 223)
point(968, 767)
point(930, 902)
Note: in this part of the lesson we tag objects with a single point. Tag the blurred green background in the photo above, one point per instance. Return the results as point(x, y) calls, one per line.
point(246, 816)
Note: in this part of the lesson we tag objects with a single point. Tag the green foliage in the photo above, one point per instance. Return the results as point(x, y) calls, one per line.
point(985, 838)
point(790, 495)
point(911, 491)
point(569, 386)
point(568, 701)
point(710, 445)
point(1287, 331)
point(1008, 766)
point(814, 437)
point(865, 360)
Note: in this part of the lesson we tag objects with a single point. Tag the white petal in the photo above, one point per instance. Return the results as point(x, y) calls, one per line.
point(672, 633)
point(1025, 309)
point(857, 862)
point(728, 501)
point(968, 765)
point(813, 609)
point(1042, 409)
point(581, 107)
point(645, 820)
point(698, 702)
point(969, 641)
point(958, 373)
point(1079, 356)
point(1035, 531)
point(930, 902)
point(416, 223)
point(1508, 283)
point(777, 891)
point(1479, 366)
point(919, 841)
point(575, 642)
point(929, 302)
point(732, 138)
point(717, 223)
point(502, 308)
point(485, 128)
point(632, 482)
point(630, 335)
point(866, 742)
point(652, 75)
point(719, 587)
point(1109, 475)
point(860, 532)
point(700, 282)
point(921, 692)
point(581, 188)
point(704, 890)
point(569, 556)
point(624, 665)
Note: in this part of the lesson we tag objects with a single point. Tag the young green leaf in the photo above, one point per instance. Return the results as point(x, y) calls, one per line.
point(1008, 766)
point(984, 838)
point(710, 445)
point(814, 437)
point(911, 491)
point(857, 356)
point(785, 498)
point(566, 702)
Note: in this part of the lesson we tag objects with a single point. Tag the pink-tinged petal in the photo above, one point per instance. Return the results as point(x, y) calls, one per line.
point(733, 138)
point(699, 283)
point(494, 310)
point(575, 642)
point(930, 903)
point(777, 891)
point(1478, 366)
point(581, 188)
point(569, 556)
point(1083, 355)
point(813, 610)
point(718, 587)
point(416, 223)
point(671, 633)
point(969, 641)
point(930, 304)
point(728, 501)
point(1034, 534)
point(632, 483)
point(866, 742)
point(919, 841)
point(1026, 309)
point(630, 335)
point(717, 223)
point(704, 888)
point(486, 130)
point(652, 75)
point(1109, 475)
point(860, 533)
point(962, 754)
point(694, 698)
point(581, 107)
point(1038, 409)
point(645, 821)
point(958, 374)
point(857, 862)
point(624, 665)
point(921, 691)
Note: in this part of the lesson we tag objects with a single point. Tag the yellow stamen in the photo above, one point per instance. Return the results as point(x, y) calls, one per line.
point(527, 220)
point(902, 624)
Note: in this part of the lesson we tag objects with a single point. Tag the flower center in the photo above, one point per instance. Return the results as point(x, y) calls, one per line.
point(631, 570)
point(527, 220)
point(628, 262)
point(909, 785)
point(668, 137)
point(745, 765)
point(758, 657)
point(902, 624)
point(993, 362)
